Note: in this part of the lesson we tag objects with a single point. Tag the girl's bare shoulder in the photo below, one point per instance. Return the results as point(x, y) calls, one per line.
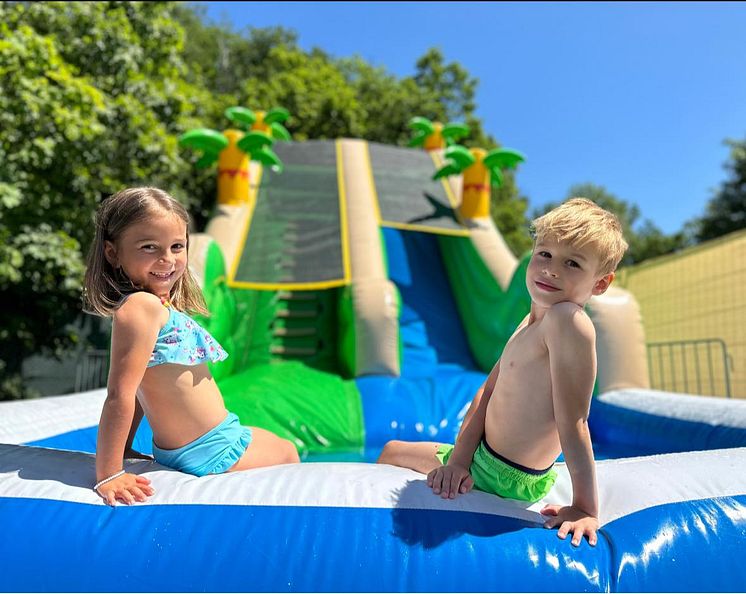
point(141, 308)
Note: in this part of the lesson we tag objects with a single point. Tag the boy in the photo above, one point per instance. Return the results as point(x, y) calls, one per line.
point(535, 401)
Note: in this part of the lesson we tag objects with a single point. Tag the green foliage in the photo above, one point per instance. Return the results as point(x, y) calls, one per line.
point(312, 88)
point(450, 88)
point(508, 210)
point(645, 240)
point(388, 102)
point(93, 98)
point(726, 210)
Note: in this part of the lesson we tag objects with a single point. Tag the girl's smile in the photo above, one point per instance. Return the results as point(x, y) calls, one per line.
point(152, 253)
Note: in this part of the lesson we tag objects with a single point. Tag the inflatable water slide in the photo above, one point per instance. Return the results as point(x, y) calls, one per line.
point(361, 301)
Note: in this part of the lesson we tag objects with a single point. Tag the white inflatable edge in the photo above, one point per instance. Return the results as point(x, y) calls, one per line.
point(29, 420)
point(625, 485)
point(710, 410)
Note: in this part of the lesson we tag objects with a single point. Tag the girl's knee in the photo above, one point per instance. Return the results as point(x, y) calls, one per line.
point(290, 452)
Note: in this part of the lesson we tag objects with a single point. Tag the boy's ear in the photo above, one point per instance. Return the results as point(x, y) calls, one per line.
point(110, 252)
point(603, 283)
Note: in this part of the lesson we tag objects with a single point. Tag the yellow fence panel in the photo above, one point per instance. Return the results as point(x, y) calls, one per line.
point(693, 308)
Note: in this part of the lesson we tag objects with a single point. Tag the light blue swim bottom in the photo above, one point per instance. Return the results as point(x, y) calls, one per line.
point(213, 453)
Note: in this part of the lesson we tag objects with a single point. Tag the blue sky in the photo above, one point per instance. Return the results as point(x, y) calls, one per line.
point(634, 96)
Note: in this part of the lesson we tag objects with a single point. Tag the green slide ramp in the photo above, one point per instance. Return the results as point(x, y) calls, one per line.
point(305, 401)
point(318, 411)
point(489, 313)
point(296, 237)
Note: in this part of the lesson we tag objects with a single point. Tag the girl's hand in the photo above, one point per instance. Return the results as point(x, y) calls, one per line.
point(126, 489)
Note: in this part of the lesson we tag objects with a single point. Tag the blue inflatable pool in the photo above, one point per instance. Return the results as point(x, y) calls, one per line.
point(670, 521)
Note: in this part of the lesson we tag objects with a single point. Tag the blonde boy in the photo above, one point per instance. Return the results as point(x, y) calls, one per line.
point(535, 401)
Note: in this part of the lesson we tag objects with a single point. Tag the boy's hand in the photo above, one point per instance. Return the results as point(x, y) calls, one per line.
point(450, 480)
point(571, 519)
point(127, 489)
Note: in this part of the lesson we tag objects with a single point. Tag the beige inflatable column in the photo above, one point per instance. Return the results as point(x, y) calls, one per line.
point(228, 226)
point(374, 297)
point(620, 341)
point(198, 245)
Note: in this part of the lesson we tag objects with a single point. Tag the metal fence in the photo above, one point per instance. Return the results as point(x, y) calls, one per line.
point(92, 370)
point(691, 366)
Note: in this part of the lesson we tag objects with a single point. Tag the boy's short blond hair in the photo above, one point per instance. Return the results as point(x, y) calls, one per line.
point(581, 222)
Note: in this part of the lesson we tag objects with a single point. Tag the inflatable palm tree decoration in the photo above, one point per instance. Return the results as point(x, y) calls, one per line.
point(479, 167)
point(232, 149)
point(434, 135)
point(269, 122)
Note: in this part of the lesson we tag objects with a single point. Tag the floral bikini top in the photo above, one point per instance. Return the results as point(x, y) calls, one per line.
point(184, 342)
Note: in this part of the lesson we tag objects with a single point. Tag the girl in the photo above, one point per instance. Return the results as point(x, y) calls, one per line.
point(137, 273)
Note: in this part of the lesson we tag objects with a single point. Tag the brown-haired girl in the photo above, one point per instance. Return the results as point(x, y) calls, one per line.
point(138, 274)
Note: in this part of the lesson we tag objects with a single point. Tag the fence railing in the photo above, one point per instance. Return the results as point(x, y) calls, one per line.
point(92, 370)
point(700, 366)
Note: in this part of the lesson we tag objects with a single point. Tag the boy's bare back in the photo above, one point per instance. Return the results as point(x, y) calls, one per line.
point(520, 421)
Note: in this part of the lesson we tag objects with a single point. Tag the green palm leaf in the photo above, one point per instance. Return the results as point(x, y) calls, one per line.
point(241, 115)
point(204, 139)
point(446, 170)
point(253, 141)
point(418, 139)
point(503, 158)
point(421, 125)
point(276, 114)
point(496, 176)
point(454, 131)
point(267, 157)
point(279, 131)
point(460, 155)
point(206, 160)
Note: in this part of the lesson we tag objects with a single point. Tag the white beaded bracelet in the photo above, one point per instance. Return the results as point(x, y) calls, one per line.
point(106, 480)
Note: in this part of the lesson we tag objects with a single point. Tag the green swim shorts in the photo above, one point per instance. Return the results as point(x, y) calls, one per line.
point(494, 474)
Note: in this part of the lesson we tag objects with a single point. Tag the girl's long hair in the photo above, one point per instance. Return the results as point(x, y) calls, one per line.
point(106, 286)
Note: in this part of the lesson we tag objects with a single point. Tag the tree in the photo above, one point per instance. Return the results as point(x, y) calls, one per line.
point(508, 209)
point(92, 98)
point(312, 88)
point(726, 210)
point(341, 97)
point(449, 88)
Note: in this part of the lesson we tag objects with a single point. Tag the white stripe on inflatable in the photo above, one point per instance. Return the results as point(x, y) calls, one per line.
point(625, 485)
point(29, 420)
point(709, 410)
